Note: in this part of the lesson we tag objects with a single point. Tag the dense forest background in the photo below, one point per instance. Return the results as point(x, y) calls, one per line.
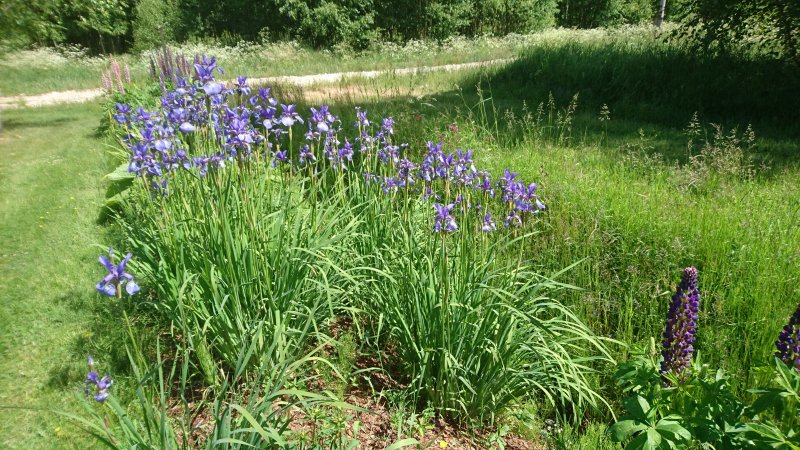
point(105, 26)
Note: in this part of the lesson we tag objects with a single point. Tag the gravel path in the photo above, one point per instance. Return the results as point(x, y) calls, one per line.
point(52, 98)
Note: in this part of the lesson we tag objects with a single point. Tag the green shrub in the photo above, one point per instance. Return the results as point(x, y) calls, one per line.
point(501, 17)
point(154, 23)
point(604, 13)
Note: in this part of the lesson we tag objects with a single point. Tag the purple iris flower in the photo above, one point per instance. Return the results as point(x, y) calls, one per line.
point(361, 116)
point(306, 155)
point(268, 117)
point(280, 157)
point(116, 276)
point(346, 153)
point(486, 184)
point(507, 180)
point(204, 68)
point(444, 220)
point(388, 125)
point(390, 184)
point(186, 127)
point(123, 113)
point(289, 117)
point(141, 115)
point(101, 385)
point(162, 145)
point(512, 219)
point(241, 85)
point(405, 171)
point(263, 97)
point(213, 88)
point(322, 118)
point(488, 223)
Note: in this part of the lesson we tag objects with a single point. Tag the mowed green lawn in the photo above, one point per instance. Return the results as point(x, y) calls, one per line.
point(51, 168)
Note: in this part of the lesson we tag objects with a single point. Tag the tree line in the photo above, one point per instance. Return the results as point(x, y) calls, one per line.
point(123, 25)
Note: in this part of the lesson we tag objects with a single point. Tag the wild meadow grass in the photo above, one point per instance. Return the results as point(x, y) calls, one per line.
point(628, 215)
point(648, 75)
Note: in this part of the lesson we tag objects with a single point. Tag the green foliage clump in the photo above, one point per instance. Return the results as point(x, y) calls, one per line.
point(474, 328)
point(604, 13)
point(766, 26)
point(101, 25)
point(501, 17)
point(445, 18)
point(154, 23)
point(119, 25)
point(702, 409)
point(331, 23)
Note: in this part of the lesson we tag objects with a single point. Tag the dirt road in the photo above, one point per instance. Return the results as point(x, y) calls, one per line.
point(52, 98)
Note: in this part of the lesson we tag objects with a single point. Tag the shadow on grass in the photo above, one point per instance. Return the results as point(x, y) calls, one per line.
point(498, 115)
point(656, 82)
point(104, 339)
point(30, 121)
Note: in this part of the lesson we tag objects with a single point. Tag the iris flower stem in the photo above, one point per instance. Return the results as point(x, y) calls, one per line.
point(445, 318)
point(134, 344)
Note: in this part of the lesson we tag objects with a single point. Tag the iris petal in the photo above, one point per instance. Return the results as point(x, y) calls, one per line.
point(106, 289)
point(131, 287)
point(106, 263)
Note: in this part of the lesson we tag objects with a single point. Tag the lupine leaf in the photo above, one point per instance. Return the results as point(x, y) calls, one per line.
point(624, 429)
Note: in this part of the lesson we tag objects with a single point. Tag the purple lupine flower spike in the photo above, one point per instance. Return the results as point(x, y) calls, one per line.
point(788, 343)
point(681, 326)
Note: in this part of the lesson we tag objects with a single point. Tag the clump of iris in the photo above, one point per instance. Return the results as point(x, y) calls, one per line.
point(681, 326)
point(245, 125)
point(788, 343)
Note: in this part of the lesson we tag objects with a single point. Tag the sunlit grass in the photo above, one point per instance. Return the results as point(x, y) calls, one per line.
point(51, 167)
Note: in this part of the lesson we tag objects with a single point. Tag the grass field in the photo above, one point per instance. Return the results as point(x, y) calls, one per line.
point(51, 184)
point(627, 196)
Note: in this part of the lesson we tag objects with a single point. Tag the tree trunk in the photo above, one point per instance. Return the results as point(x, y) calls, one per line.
point(662, 10)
